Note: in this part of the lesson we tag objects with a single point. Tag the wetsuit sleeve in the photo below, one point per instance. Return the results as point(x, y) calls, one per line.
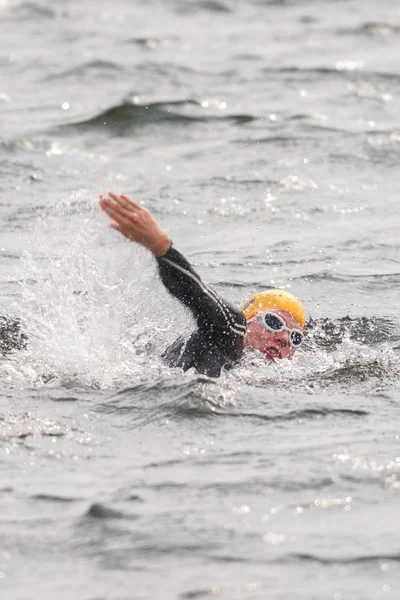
point(212, 313)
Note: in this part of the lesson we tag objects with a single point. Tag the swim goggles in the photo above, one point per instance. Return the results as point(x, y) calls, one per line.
point(275, 324)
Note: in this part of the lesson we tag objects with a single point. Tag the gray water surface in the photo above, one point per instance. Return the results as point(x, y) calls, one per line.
point(264, 136)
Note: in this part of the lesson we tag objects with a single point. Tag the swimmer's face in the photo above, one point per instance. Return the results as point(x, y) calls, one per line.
point(272, 344)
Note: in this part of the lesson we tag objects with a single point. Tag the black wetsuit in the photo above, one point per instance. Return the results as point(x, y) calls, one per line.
point(217, 343)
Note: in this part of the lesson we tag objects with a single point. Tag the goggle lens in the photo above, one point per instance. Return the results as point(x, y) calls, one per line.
point(296, 337)
point(274, 322)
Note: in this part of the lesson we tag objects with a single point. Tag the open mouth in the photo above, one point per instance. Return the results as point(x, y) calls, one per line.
point(271, 353)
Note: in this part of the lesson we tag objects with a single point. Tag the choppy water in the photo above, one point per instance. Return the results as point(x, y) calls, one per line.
point(264, 135)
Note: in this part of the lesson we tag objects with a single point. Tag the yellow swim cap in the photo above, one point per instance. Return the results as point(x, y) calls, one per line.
point(274, 299)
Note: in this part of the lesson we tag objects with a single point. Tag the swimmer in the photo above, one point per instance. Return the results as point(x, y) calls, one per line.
point(271, 322)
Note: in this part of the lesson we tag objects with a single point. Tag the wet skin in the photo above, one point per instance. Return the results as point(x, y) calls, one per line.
point(272, 345)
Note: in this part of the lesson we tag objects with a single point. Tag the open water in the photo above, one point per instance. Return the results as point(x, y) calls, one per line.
point(265, 137)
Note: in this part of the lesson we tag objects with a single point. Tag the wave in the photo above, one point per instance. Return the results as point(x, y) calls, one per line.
point(178, 398)
point(327, 334)
point(100, 511)
point(194, 397)
point(123, 118)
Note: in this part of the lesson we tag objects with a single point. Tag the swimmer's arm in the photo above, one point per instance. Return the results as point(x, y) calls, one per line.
point(212, 313)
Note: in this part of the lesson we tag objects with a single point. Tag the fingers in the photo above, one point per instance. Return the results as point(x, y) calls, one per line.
point(125, 215)
point(115, 225)
point(124, 200)
point(108, 203)
point(132, 203)
point(119, 201)
point(122, 203)
point(117, 214)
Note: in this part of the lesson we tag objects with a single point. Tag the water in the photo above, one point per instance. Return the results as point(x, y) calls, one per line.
point(264, 136)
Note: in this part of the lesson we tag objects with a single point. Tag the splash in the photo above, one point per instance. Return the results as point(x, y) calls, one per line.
point(90, 302)
point(96, 315)
point(344, 355)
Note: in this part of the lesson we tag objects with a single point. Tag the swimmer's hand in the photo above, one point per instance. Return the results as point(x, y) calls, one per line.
point(135, 223)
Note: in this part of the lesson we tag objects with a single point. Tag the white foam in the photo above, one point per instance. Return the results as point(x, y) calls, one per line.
point(90, 303)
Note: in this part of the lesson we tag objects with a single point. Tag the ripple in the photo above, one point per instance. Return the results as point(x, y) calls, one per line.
point(372, 29)
point(310, 74)
point(82, 70)
point(306, 414)
point(259, 485)
point(178, 398)
point(345, 560)
point(53, 498)
point(212, 6)
point(151, 43)
point(22, 426)
point(31, 11)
